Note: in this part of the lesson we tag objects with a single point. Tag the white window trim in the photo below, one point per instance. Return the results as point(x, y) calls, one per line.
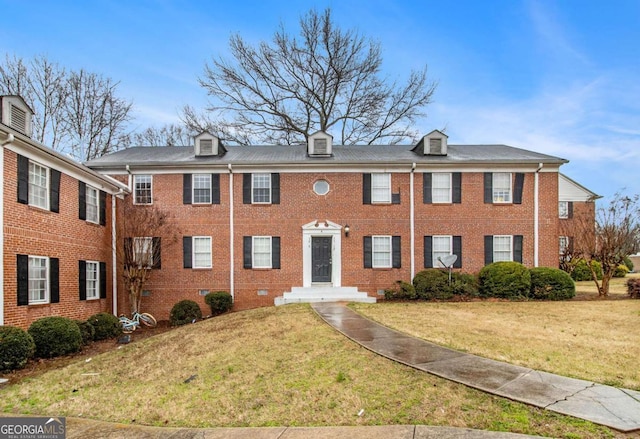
point(564, 215)
point(563, 248)
point(97, 289)
point(510, 248)
point(433, 188)
point(389, 263)
point(47, 275)
point(148, 245)
point(387, 199)
point(135, 189)
point(47, 188)
point(97, 192)
point(497, 199)
point(253, 176)
point(193, 252)
point(435, 262)
point(193, 189)
point(253, 252)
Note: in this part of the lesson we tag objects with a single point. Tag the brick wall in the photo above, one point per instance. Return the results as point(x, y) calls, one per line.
point(32, 231)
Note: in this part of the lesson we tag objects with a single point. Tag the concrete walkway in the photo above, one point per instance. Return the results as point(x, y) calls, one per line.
point(605, 405)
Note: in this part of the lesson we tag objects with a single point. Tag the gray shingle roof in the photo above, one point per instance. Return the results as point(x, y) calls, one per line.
point(342, 155)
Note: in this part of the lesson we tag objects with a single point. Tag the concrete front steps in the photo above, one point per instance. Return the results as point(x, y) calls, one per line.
point(323, 294)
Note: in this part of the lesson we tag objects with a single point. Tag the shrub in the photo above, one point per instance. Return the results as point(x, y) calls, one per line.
point(509, 280)
point(464, 284)
point(551, 284)
point(581, 270)
point(431, 284)
point(106, 326)
point(183, 312)
point(219, 302)
point(55, 336)
point(401, 291)
point(621, 271)
point(629, 263)
point(16, 347)
point(633, 288)
point(87, 331)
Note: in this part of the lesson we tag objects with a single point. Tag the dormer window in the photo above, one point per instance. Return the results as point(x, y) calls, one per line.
point(320, 145)
point(434, 144)
point(208, 145)
point(16, 114)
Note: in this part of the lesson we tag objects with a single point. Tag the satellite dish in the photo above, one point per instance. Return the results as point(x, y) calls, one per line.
point(448, 261)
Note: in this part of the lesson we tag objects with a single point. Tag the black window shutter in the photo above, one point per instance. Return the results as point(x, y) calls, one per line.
point(456, 183)
point(128, 251)
point(54, 193)
point(396, 250)
point(54, 280)
point(186, 189)
point(488, 187)
point(275, 188)
point(82, 200)
point(488, 249)
point(82, 279)
point(215, 188)
point(517, 188)
point(367, 252)
point(395, 198)
point(457, 250)
point(246, 189)
point(570, 209)
point(366, 188)
point(102, 202)
point(103, 280)
point(246, 252)
point(23, 181)
point(428, 252)
point(517, 248)
point(23, 280)
point(275, 252)
point(570, 238)
point(427, 197)
point(156, 251)
point(187, 252)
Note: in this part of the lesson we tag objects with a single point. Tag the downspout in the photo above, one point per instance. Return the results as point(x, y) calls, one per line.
point(9, 139)
point(412, 220)
point(231, 233)
point(536, 220)
point(114, 268)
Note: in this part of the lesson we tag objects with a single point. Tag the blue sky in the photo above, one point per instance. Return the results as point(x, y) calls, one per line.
point(558, 77)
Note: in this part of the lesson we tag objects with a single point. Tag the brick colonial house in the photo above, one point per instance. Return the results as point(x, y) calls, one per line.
point(272, 224)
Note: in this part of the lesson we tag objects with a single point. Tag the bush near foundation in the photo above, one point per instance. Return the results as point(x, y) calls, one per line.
point(16, 347)
point(551, 284)
point(184, 312)
point(401, 291)
point(581, 270)
point(55, 336)
point(219, 302)
point(87, 331)
point(431, 284)
point(106, 326)
point(507, 280)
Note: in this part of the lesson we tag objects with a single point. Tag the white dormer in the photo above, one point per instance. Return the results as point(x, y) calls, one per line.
point(435, 143)
point(208, 145)
point(16, 114)
point(320, 144)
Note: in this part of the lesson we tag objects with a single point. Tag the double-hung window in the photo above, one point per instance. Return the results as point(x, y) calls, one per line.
point(38, 280)
point(143, 252)
point(93, 280)
point(38, 185)
point(142, 186)
point(441, 187)
point(202, 252)
point(381, 188)
point(261, 188)
point(502, 187)
point(502, 248)
point(441, 247)
point(564, 245)
point(381, 251)
point(92, 200)
point(563, 209)
point(201, 188)
point(261, 252)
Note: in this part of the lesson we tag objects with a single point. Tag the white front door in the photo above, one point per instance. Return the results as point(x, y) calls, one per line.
point(321, 253)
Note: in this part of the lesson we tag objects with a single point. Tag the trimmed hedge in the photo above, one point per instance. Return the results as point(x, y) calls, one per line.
point(581, 270)
point(219, 302)
point(551, 284)
point(183, 312)
point(16, 347)
point(55, 336)
point(401, 291)
point(633, 288)
point(106, 326)
point(508, 280)
point(87, 331)
point(431, 284)
point(464, 284)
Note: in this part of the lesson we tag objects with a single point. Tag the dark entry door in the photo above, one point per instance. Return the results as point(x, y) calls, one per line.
point(321, 259)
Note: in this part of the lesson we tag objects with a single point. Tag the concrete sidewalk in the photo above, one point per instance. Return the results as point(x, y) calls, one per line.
point(605, 405)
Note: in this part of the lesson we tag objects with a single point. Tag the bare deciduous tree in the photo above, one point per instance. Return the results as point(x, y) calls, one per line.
point(166, 135)
point(613, 235)
point(76, 112)
point(326, 79)
point(145, 231)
